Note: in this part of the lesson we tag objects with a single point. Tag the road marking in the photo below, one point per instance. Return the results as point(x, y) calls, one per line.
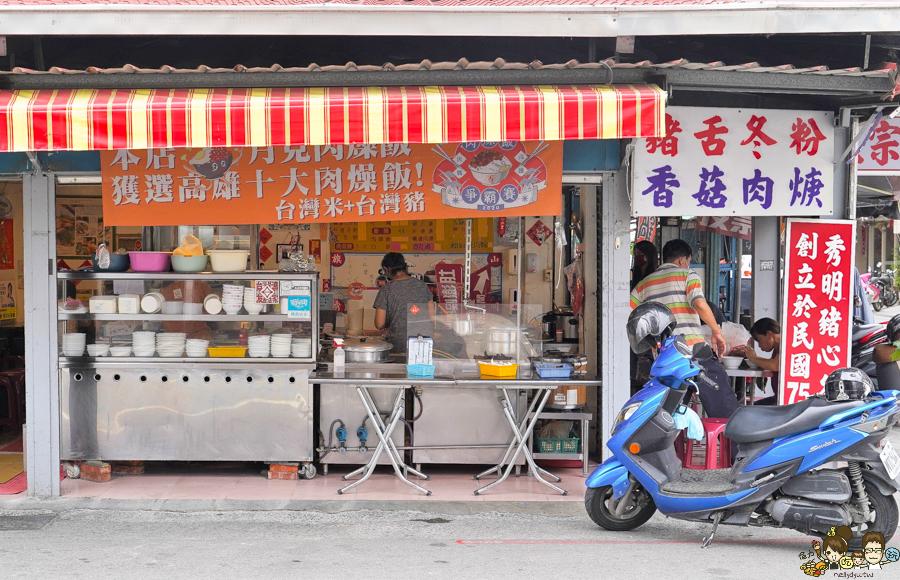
point(591, 542)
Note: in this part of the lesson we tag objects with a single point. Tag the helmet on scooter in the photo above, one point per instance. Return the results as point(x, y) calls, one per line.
point(648, 325)
point(848, 384)
point(893, 328)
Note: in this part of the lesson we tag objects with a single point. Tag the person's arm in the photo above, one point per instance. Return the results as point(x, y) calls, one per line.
point(380, 318)
point(707, 316)
point(767, 364)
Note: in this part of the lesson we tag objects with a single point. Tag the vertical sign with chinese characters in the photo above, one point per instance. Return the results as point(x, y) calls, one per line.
point(722, 162)
point(817, 312)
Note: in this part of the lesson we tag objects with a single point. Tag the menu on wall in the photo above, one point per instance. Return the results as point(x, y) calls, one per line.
point(80, 226)
point(817, 311)
point(412, 236)
point(332, 184)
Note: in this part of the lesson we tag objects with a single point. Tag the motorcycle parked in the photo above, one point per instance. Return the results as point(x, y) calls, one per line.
point(872, 291)
point(884, 280)
point(863, 339)
point(809, 466)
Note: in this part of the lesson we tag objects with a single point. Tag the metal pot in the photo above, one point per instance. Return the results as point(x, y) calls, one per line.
point(568, 323)
point(367, 350)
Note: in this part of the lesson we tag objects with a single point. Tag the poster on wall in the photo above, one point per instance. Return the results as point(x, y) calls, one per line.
point(817, 311)
point(332, 184)
point(7, 300)
point(79, 226)
point(7, 244)
point(747, 162)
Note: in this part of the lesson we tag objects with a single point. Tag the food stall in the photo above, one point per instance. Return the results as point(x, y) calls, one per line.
point(299, 178)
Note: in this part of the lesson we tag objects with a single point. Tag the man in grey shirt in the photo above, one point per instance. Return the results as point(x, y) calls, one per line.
point(396, 298)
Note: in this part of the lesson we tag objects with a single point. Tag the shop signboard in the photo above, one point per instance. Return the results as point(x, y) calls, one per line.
point(747, 162)
point(331, 184)
point(817, 310)
point(880, 153)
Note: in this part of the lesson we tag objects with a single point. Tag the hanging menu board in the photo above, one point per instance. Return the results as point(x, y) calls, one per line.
point(412, 236)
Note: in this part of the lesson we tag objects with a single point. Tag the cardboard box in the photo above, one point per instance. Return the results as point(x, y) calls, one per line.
point(103, 305)
point(129, 304)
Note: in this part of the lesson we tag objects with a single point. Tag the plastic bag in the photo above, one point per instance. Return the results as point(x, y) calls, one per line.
point(689, 420)
point(556, 430)
point(190, 246)
point(102, 256)
point(735, 335)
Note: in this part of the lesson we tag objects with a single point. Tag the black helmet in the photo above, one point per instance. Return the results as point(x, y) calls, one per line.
point(848, 384)
point(893, 328)
point(648, 325)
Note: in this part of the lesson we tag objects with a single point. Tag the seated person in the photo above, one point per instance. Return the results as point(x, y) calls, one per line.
point(767, 334)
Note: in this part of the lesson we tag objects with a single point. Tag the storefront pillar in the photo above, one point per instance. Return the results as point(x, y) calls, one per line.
point(766, 268)
point(41, 376)
point(614, 307)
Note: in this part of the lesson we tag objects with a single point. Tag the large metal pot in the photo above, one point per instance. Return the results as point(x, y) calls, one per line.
point(367, 350)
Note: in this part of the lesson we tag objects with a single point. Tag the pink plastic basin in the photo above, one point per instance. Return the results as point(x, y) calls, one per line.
point(150, 261)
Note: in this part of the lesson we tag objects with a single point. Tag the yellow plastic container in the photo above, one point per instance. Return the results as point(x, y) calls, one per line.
point(227, 351)
point(492, 370)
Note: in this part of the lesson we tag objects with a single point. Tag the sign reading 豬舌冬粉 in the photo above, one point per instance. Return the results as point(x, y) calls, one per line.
point(720, 162)
point(331, 184)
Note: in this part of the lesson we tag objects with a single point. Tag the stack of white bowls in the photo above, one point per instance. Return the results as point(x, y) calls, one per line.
point(143, 343)
point(301, 348)
point(258, 346)
point(73, 343)
point(98, 349)
point(173, 307)
point(281, 345)
point(232, 298)
point(170, 344)
point(152, 302)
point(250, 304)
point(192, 308)
point(196, 348)
point(212, 304)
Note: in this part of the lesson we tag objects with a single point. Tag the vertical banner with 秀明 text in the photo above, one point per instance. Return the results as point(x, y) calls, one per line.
point(817, 311)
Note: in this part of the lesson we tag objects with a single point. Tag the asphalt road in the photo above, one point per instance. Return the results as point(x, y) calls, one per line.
point(393, 540)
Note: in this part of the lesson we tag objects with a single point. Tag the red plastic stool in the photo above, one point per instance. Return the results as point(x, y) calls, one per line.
point(718, 447)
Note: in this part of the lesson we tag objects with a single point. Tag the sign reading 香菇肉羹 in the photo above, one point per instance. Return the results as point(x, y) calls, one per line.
point(720, 162)
point(817, 311)
point(330, 184)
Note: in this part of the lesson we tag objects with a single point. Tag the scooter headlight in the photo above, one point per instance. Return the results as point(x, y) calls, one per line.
point(625, 414)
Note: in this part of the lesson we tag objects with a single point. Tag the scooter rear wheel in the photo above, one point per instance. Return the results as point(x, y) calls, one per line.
point(886, 516)
point(600, 506)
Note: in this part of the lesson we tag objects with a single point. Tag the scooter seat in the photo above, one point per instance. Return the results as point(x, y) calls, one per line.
point(750, 424)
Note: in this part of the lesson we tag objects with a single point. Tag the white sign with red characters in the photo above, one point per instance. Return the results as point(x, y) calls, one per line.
point(817, 312)
point(881, 153)
point(747, 162)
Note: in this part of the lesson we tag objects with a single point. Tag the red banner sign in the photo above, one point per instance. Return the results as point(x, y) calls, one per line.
point(817, 313)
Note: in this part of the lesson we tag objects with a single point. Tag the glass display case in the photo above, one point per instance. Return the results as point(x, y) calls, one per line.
point(187, 366)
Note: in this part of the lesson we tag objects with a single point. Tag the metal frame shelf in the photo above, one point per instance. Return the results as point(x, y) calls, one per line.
point(248, 275)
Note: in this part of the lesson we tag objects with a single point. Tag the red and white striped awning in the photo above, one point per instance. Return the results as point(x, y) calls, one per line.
point(85, 120)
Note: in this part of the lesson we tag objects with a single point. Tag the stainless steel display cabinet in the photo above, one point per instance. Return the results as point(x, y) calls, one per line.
point(184, 408)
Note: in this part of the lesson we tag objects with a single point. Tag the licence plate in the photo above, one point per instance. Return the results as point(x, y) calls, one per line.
point(891, 460)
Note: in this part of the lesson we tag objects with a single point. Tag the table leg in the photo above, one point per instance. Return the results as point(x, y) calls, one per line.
point(584, 447)
point(531, 407)
point(390, 442)
point(385, 444)
point(519, 432)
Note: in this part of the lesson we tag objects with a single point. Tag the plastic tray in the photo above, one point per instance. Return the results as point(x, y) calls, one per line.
point(492, 370)
point(227, 351)
point(554, 370)
point(420, 370)
point(569, 445)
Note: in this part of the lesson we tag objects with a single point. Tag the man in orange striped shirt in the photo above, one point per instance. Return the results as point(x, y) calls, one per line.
point(678, 287)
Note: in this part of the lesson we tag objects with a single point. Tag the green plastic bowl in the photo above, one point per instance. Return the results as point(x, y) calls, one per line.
point(189, 263)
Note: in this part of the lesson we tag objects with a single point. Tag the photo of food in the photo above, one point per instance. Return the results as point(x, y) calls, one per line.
point(489, 167)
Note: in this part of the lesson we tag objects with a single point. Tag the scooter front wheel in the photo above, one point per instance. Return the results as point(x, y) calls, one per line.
point(601, 507)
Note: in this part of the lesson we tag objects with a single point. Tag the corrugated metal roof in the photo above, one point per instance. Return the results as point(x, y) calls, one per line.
point(465, 65)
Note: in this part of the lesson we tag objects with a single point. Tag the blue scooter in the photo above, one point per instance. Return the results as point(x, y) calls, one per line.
point(807, 466)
